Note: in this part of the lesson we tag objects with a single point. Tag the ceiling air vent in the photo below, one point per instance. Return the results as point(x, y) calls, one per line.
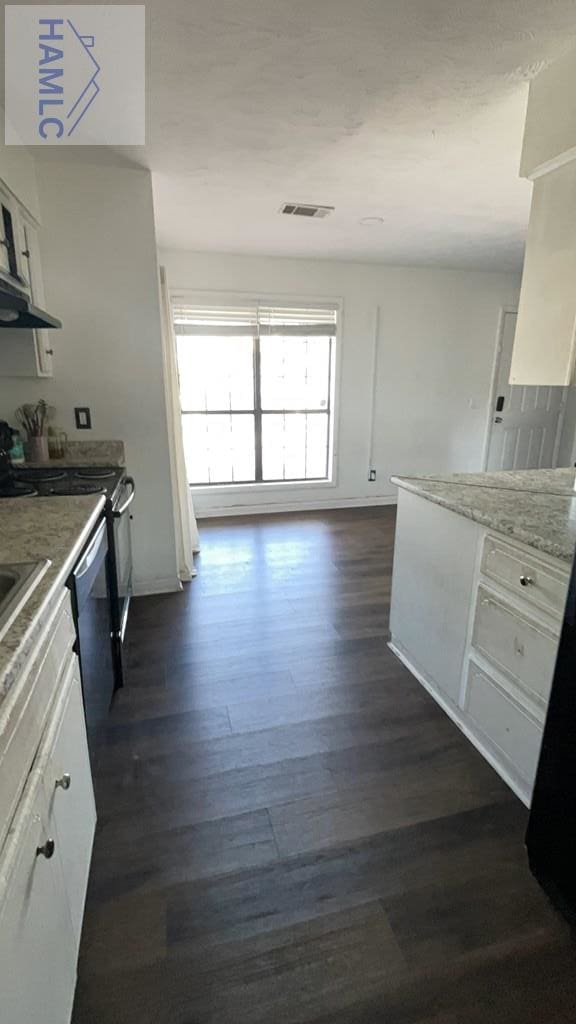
point(305, 210)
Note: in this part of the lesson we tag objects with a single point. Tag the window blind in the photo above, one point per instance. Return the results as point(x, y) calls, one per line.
point(203, 320)
point(288, 320)
point(255, 320)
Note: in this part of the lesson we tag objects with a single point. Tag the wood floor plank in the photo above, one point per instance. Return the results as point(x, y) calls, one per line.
point(290, 829)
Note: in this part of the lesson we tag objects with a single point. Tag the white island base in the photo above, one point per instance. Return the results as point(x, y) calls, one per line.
point(476, 617)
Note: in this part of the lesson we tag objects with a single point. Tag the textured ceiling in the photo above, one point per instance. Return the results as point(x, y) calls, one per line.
point(410, 110)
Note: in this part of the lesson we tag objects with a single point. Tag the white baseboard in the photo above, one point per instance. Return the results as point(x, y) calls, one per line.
point(293, 506)
point(456, 716)
point(145, 588)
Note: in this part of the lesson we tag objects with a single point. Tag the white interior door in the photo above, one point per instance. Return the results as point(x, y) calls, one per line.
point(525, 420)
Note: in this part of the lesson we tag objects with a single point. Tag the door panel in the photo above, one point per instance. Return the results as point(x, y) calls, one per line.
point(37, 958)
point(70, 800)
point(525, 420)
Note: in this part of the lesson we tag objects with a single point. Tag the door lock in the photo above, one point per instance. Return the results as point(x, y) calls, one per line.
point(497, 419)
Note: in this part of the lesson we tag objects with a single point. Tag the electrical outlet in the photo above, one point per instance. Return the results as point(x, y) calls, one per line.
point(83, 417)
point(372, 476)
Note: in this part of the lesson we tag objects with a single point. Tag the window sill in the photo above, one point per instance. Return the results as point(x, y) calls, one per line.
point(282, 485)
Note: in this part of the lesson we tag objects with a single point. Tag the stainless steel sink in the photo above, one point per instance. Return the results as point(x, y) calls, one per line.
point(8, 580)
point(17, 581)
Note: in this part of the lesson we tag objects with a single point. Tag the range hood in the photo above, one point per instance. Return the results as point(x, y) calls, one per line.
point(18, 310)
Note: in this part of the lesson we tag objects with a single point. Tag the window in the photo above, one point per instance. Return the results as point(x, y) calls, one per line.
point(255, 393)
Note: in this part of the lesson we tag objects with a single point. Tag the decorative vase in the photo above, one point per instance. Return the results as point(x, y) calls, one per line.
point(37, 449)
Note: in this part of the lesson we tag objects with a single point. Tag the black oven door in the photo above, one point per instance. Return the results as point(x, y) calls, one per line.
point(90, 585)
point(121, 562)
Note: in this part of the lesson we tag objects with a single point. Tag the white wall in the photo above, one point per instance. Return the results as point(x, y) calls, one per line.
point(100, 268)
point(18, 172)
point(436, 338)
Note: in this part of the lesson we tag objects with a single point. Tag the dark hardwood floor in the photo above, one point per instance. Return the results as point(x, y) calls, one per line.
point(290, 830)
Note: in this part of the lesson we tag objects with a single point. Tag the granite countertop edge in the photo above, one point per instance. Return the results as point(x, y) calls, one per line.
point(564, 551)
point(19, 640)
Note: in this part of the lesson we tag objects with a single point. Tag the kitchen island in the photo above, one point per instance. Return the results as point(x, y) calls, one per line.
point(481, 568)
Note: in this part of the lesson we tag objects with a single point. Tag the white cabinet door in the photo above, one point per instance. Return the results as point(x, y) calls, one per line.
point(37, 957)
point(9, 264)
point(31, 267)
point(4, 240)
point(70, 799)
point(44, 871)
point(544, 344)
point(520, 647)
point(508, 730)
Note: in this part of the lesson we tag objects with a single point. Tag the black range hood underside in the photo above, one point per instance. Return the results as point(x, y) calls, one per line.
point(17, 310)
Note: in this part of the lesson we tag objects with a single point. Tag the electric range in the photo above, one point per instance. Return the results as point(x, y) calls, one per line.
point(53, 481)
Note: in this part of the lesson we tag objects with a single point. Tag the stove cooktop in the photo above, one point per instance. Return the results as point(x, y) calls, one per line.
point(40, 482)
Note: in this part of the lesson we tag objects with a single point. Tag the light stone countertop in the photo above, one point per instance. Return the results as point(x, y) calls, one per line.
point(31, 530)
point(534, 507)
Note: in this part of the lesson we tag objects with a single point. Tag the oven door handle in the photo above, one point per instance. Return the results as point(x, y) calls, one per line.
point(91, 555)
point(118, 512)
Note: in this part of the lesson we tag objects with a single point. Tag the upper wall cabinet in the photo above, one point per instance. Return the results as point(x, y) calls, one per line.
point(550, 129)
point(544, 345)
point(31, 271)
point(23, 353)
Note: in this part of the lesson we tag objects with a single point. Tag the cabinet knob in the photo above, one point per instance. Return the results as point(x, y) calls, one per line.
point(526, 581)
point(64, 782)
point(47, 850)
point(49, 351)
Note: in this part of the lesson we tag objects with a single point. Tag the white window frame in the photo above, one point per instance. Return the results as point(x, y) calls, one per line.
point(212, 298)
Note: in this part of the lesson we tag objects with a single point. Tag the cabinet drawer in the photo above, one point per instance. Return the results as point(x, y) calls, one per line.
point(505, 726)
point(518, 646)
point(24, 711)
point(544, 586)
point(37, 964)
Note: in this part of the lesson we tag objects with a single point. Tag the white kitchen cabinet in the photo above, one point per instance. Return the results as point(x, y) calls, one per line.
point(71, 810)
point(31, 270)
point(23, 353)
point(520, 647)
point(26, 709)
point(44, 867)
point(544, 347)
point(550, 129)
point(537, 581)
point(476, 618)
point(507, 729)
point(9, 242)
point(37, 961)
point(544, 343)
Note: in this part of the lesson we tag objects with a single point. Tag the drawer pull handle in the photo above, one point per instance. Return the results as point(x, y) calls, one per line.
point(47, 850)
point(526, 581)
point(63, 783)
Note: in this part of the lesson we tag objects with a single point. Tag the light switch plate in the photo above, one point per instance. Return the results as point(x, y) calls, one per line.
point(82, 417)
